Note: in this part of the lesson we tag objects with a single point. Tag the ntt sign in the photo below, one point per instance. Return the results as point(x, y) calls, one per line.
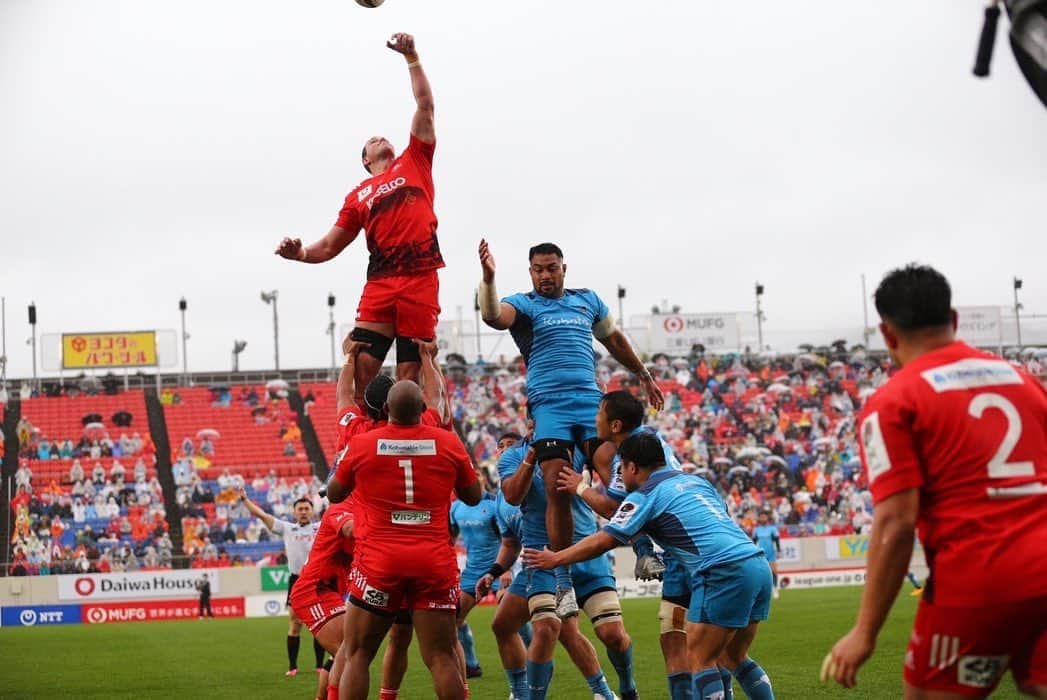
point(151, 584)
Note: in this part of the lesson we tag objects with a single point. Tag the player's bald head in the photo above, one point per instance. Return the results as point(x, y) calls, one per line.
point(405, 403)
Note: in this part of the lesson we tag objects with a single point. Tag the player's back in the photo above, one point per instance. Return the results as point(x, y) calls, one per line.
point(478, 526)
point(970, 431)
point(331, 553)
point(402, 479)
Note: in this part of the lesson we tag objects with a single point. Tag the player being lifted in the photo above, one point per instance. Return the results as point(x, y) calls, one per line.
point(394, 207)
point(955, 444)
point(554, 328)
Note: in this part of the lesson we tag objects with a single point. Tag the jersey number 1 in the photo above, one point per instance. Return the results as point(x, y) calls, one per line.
point(999, 467)
point(405, 464)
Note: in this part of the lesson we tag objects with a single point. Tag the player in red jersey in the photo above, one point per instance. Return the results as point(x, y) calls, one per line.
point(394, 207)
point(317, 598)
point(354, 419)
point(954, 445)
point(402, 476)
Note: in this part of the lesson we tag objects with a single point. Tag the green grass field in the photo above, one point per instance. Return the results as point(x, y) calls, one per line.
point(246, 658)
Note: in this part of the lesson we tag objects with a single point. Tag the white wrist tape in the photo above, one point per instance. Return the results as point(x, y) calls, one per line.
point(490, 307)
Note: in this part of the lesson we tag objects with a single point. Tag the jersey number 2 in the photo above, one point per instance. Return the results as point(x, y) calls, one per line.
point(405, 464)
point(999, 467)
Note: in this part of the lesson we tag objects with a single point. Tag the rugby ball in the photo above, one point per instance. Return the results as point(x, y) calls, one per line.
point(369, 3)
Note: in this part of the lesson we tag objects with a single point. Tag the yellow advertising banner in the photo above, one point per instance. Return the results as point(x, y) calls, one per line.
point(99, 350)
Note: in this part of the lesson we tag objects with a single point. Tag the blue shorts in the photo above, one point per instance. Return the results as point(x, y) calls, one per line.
point(519, 584)
point(676, 582)
point(732, 595)
point(569, 417)
point(587, 577)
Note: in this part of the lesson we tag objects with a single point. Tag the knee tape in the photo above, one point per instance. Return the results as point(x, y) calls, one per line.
point(603, 607)
point(549, 448)
point(407, 351)
point(672, 618)
point(542, 606)
point(378, 344)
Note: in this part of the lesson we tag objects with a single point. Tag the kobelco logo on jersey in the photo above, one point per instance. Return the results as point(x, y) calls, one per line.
point(386, 188)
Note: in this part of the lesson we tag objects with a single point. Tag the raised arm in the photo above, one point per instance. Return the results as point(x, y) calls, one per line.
point(267, 520)
point(496, 314)
point(434, 388)
point(345, 392)
point(422, 125)
point(622, 350)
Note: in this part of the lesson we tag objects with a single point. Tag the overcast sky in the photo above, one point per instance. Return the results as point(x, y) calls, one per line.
point(684, 149)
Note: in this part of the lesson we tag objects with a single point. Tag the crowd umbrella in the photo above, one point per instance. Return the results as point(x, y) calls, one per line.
point(207, 433)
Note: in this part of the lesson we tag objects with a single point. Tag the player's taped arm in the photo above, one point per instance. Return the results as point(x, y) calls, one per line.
point(490, 308)
point(890, 550)
point(604, 327)
point(333, 243)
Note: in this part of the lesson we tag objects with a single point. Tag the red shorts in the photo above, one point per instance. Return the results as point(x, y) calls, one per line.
point(967, 650)
point(316, 603)
point(411, 303)
point(379, 589)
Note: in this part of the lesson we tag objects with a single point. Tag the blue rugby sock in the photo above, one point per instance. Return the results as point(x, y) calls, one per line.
point(518, 683)
point(465, 636)
point(728, 684)
point(539, 676)
point(623, 666)
point(754, 681)
point(707, 684)
point(598, 684)
point(681, 687)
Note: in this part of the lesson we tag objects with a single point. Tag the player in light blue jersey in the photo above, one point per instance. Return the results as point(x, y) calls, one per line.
point(621, 416)
point(765, 535)
point(593, 582)
point(478, 528)
point(730, 580)
point(554, 328)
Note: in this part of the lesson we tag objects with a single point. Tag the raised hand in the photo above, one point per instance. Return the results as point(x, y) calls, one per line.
point(402, 43)
point(353, 347)
point(290, 248)
point(486, 261)
point(427, 348)
point(654, 393)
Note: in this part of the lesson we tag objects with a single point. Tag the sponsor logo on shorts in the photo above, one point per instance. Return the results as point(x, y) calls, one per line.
point(410, 448)
point(411, 517)
point(980, 671)
point(375, 597)
point(624, 514)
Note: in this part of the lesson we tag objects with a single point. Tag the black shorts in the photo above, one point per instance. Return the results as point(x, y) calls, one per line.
point(290, 587)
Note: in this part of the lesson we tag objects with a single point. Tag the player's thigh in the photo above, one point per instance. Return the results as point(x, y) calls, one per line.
point(466, 602)
point(738, 648)
point(365, 630)
point(437, 633)
point(511, 615)
point(331, 633)
point(966, 651)
point(417, 305)
point(706, 643)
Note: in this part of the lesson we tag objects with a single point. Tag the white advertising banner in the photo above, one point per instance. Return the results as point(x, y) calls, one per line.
point(980, 325)
point(674, 334)
point(173, 583)
point(264, 605)
point(791, 551)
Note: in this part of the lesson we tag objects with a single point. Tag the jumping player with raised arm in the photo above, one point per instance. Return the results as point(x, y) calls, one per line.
point(298, 538)
point(730, 580)
point(403, 475)
point(954, 445)
point(394, 208)
point(554, 328)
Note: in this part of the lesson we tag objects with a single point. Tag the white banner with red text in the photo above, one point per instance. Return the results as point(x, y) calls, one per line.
point(171, 583)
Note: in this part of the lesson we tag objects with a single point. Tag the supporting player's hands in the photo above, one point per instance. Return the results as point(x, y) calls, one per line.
point(486, 261)
point(427, 348)
point(847, 656)
point(352, 348)
point(402, 43)
point(290, 248)
point(654, 393)
point(543, 558)
point(483, 585)
point(569, 481)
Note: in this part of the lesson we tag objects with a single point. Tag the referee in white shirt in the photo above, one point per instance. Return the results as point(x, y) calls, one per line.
point(298, 539)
